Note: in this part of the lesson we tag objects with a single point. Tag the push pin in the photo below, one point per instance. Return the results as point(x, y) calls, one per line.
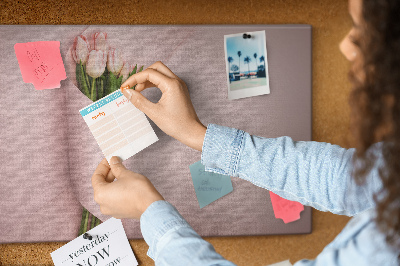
point(89, 237)
point(125, 88)
point(246, 36)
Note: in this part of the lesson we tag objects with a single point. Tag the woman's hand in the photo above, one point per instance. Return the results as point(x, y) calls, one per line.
point(127, 197)
point(174, 112)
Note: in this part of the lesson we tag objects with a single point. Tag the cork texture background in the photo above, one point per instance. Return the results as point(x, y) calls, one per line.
point(330, 22)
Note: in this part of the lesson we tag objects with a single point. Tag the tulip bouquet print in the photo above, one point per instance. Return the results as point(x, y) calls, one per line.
point(100, 69)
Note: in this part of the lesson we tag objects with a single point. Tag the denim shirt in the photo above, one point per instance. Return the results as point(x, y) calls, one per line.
point(312, 173)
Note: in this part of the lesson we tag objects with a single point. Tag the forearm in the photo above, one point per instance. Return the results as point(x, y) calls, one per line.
point(312, 173)
point(172, 241)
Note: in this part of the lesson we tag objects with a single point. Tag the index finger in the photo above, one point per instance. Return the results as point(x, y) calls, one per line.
point(100, 174)
point(159, 80)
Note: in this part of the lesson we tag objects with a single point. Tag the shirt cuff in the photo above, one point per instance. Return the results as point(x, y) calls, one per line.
point(222, 148)
point(159, 218)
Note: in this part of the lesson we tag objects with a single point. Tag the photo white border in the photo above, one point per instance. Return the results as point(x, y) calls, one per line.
point(247, 92)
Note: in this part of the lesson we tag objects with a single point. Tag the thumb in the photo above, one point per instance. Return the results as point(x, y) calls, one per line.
point(99, 175)
point(139, 101)
point(116, 166)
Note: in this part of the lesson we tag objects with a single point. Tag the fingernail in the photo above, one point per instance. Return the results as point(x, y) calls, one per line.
point(128, 93)
point(115, 160)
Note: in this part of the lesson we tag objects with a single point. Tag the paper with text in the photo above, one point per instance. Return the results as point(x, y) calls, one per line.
point(284, 209)
point(41, 63)
point(209, 186)
point(109, 246)
point(118, 126)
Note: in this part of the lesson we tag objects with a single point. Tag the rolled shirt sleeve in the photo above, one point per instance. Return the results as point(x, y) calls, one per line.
point(313, 173)
point(172, 241)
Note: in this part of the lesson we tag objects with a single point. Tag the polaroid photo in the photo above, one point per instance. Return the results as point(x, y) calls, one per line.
point(246, 64)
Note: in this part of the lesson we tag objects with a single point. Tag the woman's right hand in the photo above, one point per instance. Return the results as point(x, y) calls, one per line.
point(174, 112)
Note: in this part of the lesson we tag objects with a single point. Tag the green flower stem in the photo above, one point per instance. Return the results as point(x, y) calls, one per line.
point(106, 86)
point(92, 222)
point(85, 222)
point(93, 88)
point(83, 79)
point(82, 229)
point(119, 82)
point(102, 88)
point(97, 222)
point(113, 82)
point(86, 77)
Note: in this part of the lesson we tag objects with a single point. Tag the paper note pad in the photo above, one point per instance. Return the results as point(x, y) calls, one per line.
point(41, 63)
point(287, 210)
point(209, 186)
point(118, 126)
point(108, 246)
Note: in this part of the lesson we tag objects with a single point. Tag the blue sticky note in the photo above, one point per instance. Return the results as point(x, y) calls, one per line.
point(209, 186)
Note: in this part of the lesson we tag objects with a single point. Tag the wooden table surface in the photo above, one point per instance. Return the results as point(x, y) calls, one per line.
point(330, 22)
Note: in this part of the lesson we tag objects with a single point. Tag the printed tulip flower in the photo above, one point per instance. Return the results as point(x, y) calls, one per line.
point(96, 63)
point(114, 61)
point(100, 42)
point(129, 70)
point(80, 53)
point(80, 49)
point(95, 67)
point(126, 70)
point(99, 72)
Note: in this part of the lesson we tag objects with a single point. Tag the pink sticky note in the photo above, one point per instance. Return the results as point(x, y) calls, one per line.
point(284, 209)
point(41, 63)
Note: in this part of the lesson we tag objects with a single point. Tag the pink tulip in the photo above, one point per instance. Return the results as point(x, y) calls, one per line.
point(100, 42)
point(80, 49)
point(114, 61)
point(96, 63)
point(126, 69)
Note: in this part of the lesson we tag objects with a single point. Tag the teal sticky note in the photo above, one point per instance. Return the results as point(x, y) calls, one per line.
point(209, 186)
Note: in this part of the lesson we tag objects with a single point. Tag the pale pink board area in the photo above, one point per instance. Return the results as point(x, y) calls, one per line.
point(41, 63)
point(48, 153)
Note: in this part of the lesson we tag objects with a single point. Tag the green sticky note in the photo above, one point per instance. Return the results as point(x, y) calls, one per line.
point(209, 186)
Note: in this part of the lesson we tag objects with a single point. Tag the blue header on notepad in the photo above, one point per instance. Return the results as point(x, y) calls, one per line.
point(101, 103)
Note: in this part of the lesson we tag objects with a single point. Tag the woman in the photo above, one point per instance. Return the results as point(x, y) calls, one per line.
point(321, 175)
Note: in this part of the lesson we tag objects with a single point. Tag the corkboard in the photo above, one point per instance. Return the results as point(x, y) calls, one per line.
point(330, 23)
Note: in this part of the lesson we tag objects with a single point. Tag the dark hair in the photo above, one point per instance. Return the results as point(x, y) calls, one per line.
point(375, 103)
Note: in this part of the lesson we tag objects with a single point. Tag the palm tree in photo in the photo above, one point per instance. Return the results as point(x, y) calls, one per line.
point(247, 60)
point(255, 57)
point(230, 60)
point(239, 54)
point(262, 59)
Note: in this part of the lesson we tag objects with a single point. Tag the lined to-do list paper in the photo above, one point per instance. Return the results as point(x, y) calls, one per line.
point(118, 126)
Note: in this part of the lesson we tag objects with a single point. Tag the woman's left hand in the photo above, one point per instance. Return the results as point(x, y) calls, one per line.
point(127, 197)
